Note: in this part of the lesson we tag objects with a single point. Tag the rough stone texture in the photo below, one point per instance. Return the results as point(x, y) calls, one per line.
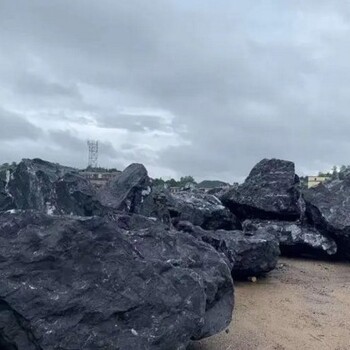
point(328, 208)
point(201, 209)
point(6, 201)
point(32, 183)
point(75, 195)
point(86, 283)
point(271, 191)
point(47, 187)
point(295, 238)
point(132, 192)
point(246, 254)
point(155, 205)
point(221, 191)
point(127, 191)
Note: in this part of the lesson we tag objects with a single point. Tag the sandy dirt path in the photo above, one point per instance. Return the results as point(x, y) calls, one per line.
point(302, 305)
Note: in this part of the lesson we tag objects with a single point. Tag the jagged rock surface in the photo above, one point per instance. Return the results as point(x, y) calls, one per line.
point(47, 187)
point(127, 191)
point(87, 283)
point(6, 201)
point(201, 209)
point(295, 238)
point(132, 192)
point(246, 254)
point(271, 191)
point(328, 208)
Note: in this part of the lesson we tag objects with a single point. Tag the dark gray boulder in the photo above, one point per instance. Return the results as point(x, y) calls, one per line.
point(87, 283)
point(132, 192)
point(201, 209)
point(220, 191)
point(32, 182)
point(155, 205)
point(75, 195)
point(328, 208)
point(127, 191)
point(246, 254)
point(47, 187)
point(295, 238)
point(271, 191)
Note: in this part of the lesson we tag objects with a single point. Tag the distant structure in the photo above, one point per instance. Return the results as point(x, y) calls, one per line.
point(99, 178)
point(93, 153)
point(313, 181)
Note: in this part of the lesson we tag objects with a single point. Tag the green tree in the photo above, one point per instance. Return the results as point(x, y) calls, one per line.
point(159, 182)
point(334, 172)
point(172, 183)
point(185, 180)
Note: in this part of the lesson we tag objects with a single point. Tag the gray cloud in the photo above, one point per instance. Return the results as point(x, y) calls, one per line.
point(243, 80)
point(15, 127)
point(32, 84)
point(133, 123)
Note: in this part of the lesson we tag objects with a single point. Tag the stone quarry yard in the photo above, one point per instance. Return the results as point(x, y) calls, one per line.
point(303, 304)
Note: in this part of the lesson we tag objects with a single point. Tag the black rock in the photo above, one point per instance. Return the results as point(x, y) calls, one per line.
point(246, 254)
point(155, 205)
point(220, 191)
point(201, 209)
point(295, 238)
point(75, 195)
point(328, 208)
point(87, 283)
point(127, 191)
point(271, 191)
point(132, 192)
point(48, 187)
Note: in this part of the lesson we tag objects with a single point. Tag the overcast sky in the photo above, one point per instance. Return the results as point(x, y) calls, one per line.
point(197, 87)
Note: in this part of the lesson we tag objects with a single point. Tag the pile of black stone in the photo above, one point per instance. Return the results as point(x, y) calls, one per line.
point(135, 266)
point(315, 222)
point(82, 269)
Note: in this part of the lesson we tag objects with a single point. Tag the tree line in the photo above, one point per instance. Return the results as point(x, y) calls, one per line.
point(336, 172)
point(183, 182)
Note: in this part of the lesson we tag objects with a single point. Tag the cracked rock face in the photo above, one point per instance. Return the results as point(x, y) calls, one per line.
point(127, 191)
point(295, 238)
point(327, 208)
point(6, 200)
point(246, 254)
point(132, 192)
point(271, 191)
point(92, 283)
point(201, 209)
point(47, 187)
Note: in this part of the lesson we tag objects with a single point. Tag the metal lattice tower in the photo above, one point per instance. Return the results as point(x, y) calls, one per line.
point(93, 153)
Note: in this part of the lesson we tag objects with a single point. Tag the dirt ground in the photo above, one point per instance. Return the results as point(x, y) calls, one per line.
point(302, 305)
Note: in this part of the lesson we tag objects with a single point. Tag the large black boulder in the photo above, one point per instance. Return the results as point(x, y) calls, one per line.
point(271, 191)
point(47, 187)
point(132, 192)
point(127, 191)
point(295, 238)
point(328, 209)
point(201, 209)
point(75, 195)
point(246, 254)
point(97, 283)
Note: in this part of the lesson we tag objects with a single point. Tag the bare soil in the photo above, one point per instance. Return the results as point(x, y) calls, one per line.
point(302, 305)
